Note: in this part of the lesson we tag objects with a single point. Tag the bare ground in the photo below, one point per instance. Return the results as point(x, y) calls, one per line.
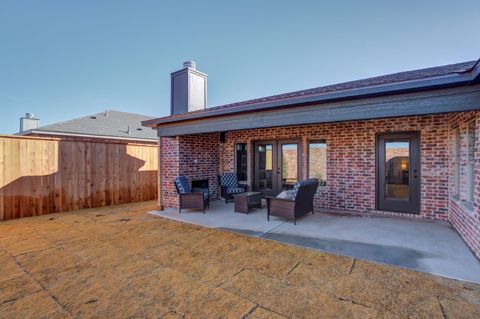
point(119, 262)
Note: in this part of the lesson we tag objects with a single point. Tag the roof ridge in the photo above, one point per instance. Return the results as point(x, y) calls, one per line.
point(67, 121)
point(117, 111)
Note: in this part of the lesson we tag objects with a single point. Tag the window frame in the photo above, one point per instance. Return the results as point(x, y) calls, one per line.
point(236, 161)
point(318, 141)
point(470, 162)
point(457, 157)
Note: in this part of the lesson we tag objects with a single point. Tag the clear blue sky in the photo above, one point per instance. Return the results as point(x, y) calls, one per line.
point(63, 59)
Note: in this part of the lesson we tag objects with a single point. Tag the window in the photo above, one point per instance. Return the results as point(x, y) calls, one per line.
point(317, 160)
point(241, 161)
point(456, 160)
point(289, 165)
point(471, 139)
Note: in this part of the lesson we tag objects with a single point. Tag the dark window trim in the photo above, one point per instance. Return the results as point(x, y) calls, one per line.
point(457, 159)
point(319, 141)
point(298, 142)
point(236, 160)
point(276, 158)
point(392, 135)
point(470, 187)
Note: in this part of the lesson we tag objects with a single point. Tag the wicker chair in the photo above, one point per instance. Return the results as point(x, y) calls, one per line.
point(188, 198)
point(296, 203)
point(229, 186)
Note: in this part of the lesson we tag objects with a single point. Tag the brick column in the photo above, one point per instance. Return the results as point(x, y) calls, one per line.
point(160, 175)
point(303, 149)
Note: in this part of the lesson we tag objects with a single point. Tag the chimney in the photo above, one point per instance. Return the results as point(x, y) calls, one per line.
point(28, 122)
point(188, 89)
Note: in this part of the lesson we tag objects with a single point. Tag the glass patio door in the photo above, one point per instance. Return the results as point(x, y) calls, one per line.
point(398, 172)
point(276, 166)
point(265, 161)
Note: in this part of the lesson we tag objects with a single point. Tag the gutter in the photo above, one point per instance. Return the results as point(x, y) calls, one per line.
point(457, 79)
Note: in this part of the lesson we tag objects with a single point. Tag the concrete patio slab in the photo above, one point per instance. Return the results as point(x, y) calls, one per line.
point(432, 247)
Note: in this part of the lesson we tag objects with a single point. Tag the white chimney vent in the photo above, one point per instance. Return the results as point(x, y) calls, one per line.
point(28, 122)
point(188, 89)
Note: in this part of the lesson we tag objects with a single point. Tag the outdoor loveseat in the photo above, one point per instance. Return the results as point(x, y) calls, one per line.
point(294, 203)
point(191, 198)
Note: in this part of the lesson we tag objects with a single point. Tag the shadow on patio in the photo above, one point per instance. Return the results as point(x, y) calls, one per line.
point(432, 247)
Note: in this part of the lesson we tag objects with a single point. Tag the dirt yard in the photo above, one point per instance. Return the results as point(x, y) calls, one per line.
point(120, 262)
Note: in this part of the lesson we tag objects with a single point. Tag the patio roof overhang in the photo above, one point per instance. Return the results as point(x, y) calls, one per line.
point(450, 93)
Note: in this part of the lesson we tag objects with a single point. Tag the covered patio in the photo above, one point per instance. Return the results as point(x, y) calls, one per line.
point(400, 152)
point(426, 246)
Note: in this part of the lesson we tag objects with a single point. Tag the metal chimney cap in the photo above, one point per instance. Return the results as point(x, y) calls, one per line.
point(190, 64)
point(29, 115)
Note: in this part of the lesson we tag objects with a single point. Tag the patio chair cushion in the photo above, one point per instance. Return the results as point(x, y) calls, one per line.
point(301, 183)
point(235, 190)
point(229, 180)
point(182, 185)
point(286, 195)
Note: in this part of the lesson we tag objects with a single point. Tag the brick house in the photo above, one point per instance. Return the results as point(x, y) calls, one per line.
point(404, 144)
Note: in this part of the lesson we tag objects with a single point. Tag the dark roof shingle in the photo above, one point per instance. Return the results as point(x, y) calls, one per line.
point(368, 82)
point(110, 124)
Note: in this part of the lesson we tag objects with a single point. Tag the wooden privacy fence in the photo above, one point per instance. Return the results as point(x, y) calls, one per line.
point(44, 175)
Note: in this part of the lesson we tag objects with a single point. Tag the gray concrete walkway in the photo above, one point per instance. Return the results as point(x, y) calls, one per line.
point(431, 247)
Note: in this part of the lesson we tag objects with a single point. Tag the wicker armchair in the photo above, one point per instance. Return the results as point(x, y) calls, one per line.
point(229, 186)
point(296, 203)
point(188, 198)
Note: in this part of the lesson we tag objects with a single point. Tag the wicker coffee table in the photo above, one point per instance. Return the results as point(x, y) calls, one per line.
point(245, 201)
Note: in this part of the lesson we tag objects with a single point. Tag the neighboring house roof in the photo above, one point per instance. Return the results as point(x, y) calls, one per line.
point(109, 124)
point(422, 79)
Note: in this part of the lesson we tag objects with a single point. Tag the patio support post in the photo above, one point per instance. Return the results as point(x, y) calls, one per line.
point(160, 174)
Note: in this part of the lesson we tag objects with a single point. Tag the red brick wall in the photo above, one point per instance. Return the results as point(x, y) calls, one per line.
point(351, 160)
point(193, 156)
point(465, 219)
